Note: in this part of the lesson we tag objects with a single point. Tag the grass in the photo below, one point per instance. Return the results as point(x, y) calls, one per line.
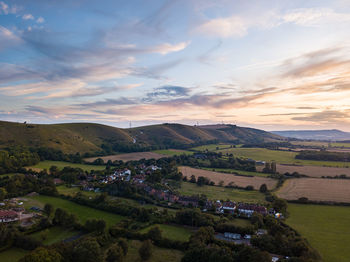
point(12, 254)
point(82, 212)
point(71, 191)
point(320, 144)
point(327, 228)
point(212, 147)
point(10, 175)
point(55, 234)
point(240, 172)
point(61, 164)
point(172, 232)
point(222, 193)
point(159, 254)
point(281, 157)
point(171, 152)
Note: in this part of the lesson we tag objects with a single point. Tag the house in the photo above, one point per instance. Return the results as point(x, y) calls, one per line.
point(228, 207)
point(57, 181)
point(249, 209)
point(8, 216)
point(188, 201)
point(232, 235)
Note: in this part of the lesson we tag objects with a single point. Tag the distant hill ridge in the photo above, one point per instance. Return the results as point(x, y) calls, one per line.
point(332, 134)
point(92, 138)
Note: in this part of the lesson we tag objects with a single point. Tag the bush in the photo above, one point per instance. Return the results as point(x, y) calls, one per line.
point(146, 250)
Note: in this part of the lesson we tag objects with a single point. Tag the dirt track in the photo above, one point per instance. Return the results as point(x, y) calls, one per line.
point(316, 189)
point(128, 157)
point(240, 181)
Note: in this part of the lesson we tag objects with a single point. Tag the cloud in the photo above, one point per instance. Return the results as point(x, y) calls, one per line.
point(328, 116)
point(224, 27)
point(169, 48)
point(109, 102)
point(28, 17)
point(166, 92)
point(40, 20)
point(5, 9)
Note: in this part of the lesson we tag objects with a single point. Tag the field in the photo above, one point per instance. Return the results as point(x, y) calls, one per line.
point(313, 171)
point(83, 212)
point(55, 234)
point(60, 165)
point(128, 156)
point(327, 228)
point(159, 254)
point(320, 144)
point(317, 189)
point(71, 191)
point(211, 147)
point(172, 232)
point(241, 181)
point(173, 152)
point(12, 254)
point(281, 157)
point(222, 193)
point(240, 172)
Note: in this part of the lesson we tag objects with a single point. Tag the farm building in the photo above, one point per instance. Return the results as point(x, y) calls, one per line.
point(8, 216)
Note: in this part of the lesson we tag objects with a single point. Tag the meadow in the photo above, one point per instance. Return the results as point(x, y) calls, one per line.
point(128, 157)
point(61, 164)
point(222, 193)
point(173, 152)
point(327, 228)
point(158, 255)
point(281, 157)
point(241, 181)
point(83, 212)
point(12, 254)
point(71, 191)
point(211, 147)
point(171, 231)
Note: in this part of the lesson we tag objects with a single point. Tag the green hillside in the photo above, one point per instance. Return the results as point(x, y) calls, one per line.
point(92, 138)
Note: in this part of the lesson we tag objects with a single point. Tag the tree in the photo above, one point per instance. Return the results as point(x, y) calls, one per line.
point(193, 179)
point(263, 188)
point(146, 250)
point(44, 234)
point(42, 254)
point(124, 245)
point(115, 254)
point(95, 225)
point(155, 234)
point(87, 250)
point(3, 193)
point(48, 209)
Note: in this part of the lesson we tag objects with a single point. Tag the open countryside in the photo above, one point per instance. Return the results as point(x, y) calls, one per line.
point(241, 181)
point(316, 189)
point(327, 228)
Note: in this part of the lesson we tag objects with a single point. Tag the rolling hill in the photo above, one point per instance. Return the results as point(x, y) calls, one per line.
point(327, 135)
point(92, 138)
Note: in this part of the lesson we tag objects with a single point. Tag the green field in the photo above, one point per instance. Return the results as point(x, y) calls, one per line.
point(240, 172)
point(71, 191)
point(12, 254)
point(83, 212)
point(171, 152)
point(55, 234)
point(327, 228)
point(281, 157)
point(212, 147)
point(171, 232)
point(159, 254)
point(222, 193)
point(60, 165)
point(320, 144)
point(10, 175)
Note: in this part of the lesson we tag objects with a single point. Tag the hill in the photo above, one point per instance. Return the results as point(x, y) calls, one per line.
point(92, 138)
point(328, 135)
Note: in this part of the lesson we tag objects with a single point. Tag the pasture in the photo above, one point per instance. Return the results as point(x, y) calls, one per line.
point(173, 232)
point(241, 181)
point(128, 157)
point(71, 191)
point(327, 228)
point(281, 157)
point(316, 189)
point(222, 193)
point(313, 171)
point(158, 255)
point(61, 164)
point(82, 212)
point(235, 171)
point(173, 152)
point(211, 147)
point(12, 255)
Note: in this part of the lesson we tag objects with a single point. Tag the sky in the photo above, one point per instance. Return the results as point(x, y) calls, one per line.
point(273, 64)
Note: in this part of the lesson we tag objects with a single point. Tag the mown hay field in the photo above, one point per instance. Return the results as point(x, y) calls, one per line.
point(241, 181)
point(316, 189)
point(128, 156)
point(313, 171)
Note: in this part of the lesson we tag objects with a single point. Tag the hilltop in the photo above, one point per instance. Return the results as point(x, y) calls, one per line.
point(92, 138)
